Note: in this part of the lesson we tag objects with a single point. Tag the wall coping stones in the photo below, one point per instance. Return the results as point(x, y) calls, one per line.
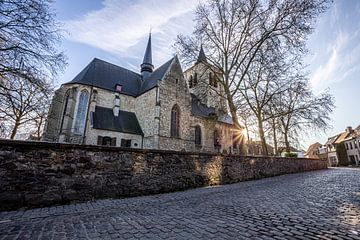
point(56, 145)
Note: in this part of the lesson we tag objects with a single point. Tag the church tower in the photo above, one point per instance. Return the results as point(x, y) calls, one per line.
point(147, 67)
point(203, 81)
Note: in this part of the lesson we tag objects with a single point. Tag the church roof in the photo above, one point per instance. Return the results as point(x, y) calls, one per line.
point(148, 54)
point(126, 122)
point(199, 109)
point(158, 74)
point(202, 56)
point(99, 73)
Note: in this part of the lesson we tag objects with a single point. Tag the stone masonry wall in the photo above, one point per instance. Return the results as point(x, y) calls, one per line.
point(36, 174)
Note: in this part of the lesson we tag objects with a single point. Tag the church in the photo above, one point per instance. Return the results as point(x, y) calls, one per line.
point(159, 108)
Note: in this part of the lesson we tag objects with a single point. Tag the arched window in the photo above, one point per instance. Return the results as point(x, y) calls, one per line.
point(195, 79)
point(216, 139)
point(66, 103)
point(235, 140)
point(191, 82)
point(197, 135)
point(175, 121)
point(79, 126)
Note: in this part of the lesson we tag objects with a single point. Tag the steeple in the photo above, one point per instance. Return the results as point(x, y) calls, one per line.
point(201, 57)
point(147, 67)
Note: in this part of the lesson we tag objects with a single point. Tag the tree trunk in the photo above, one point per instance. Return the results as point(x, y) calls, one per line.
point(14, 130)
point(274, 137)
point(233, 112)
point(286, 139)
point(262, 137)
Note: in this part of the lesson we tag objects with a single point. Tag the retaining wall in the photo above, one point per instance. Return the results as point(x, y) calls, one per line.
point(34, 174)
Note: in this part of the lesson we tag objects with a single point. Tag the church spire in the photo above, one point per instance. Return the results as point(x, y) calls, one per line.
point(201, 57)
point(146, 66)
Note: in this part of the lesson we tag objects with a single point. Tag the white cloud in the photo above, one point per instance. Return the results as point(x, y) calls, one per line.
point(342, 61)
point(121, 25)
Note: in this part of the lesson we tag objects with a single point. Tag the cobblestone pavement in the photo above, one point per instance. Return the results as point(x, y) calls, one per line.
point(313, 205)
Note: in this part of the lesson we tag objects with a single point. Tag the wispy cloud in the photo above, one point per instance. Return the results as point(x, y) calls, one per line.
point(342, 60)
point(120, 25)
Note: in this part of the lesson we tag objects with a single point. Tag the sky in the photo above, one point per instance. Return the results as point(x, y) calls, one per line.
point(117, 31)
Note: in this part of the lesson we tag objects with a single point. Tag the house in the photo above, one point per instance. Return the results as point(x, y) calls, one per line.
point(155, 108)
point(335, 152)
point(313, 150)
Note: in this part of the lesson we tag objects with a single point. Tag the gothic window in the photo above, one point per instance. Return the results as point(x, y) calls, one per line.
point(211, 82)
point(191, 82)
point(195, 79)
point(175, 121)
point(198, 135)
point(79, 126)
point(236, 140)
point(66, 102)
point(216, 139)
point(215, 81)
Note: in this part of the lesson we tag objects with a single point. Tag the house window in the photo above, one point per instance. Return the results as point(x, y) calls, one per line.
point(351, 146)
point(211, 82)
point(79, 126)
point(126, 143)
point(355, 144)
point(106, 141)
point(175, 124)
point(197, 135)
point(347, 146)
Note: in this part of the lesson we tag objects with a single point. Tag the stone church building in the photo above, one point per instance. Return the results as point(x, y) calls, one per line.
point(162, 108)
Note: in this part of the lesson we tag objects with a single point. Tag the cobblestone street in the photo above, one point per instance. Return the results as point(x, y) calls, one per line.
point(313, 205)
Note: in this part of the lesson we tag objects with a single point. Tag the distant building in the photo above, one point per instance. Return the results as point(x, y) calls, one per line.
point(299, 153)
point(350, 139)
point(254, 148)
point(313, 150)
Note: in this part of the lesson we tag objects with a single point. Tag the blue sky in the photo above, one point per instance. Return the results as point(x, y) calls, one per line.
point(117, 31)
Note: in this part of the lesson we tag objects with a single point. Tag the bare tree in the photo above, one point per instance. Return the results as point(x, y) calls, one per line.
point(234, 32)
point(299, 109)
point(23, 103)
point(28, 38)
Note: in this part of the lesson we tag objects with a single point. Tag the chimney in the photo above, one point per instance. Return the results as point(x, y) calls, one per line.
point(349, 129)
point(116, 108)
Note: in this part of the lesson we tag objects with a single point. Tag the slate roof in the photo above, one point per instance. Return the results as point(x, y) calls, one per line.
point(202, 56)
point(158, 74)
point(126, 122)
point(148, 54)
point(199, 109)
point(225, 118)
point(99, 73)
